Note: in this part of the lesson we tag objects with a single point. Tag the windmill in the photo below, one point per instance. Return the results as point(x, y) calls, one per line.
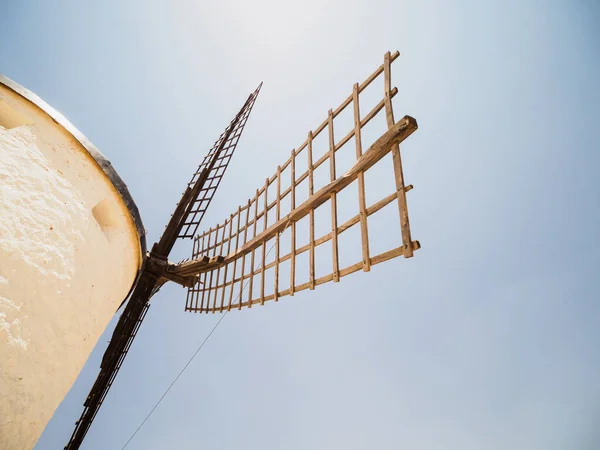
point(229, 266)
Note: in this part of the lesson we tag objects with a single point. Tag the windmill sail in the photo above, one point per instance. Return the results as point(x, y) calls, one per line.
point(216, 162)
point(236, 253)
point(121, 340)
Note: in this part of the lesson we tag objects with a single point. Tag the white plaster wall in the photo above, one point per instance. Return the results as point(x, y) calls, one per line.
point(69, 253)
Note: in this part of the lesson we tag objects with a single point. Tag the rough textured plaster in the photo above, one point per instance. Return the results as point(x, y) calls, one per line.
point(62, 274)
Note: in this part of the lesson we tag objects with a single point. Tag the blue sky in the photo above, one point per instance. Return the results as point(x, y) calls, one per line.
point(487, 339)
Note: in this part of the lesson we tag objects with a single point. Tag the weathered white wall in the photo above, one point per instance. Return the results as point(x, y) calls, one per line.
point(69, 253)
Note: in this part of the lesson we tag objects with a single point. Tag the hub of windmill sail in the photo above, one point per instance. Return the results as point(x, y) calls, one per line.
point(185, 273)
point(164, 269)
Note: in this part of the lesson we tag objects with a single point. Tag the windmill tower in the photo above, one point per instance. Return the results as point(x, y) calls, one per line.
point(71, 246)
point(267, 248)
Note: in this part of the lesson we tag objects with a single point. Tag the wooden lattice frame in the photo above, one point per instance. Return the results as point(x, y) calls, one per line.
point(215, 162)
point(221, 252)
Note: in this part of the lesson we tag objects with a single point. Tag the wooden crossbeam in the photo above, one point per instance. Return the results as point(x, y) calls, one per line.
point(293, 226)
point(190, 267)
point(333, 197)
point(398, 175)
point(364, 229)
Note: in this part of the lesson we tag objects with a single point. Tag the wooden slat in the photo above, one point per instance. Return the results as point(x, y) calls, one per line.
point(208, 277)
point(311, 225)
point(237, 243)
point(210, 282)
point(190, 294)
point(226, 265)
point(334, 232)
point(252, 269)
point(398, 175)
point(264, 250)
point(204, 290)
point(244, 258)
point(277, 217)
point(293, 226)
point(364, 231)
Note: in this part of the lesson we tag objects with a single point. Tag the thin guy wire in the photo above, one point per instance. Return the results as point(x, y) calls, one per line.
point(191, 359)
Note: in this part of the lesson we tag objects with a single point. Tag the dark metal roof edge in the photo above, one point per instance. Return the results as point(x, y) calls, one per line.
point(100, 159)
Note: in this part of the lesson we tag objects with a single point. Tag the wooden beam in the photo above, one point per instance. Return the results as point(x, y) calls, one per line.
point(252, 268)
point(311, 258)
point(204, 275)
point(237, 241)
point(293, 226)
point(398, 175)
point(277, 217)
point(364, 229)
point(160, 267)
point(244, 257)
point(333, 196)
point(220, 265)
point(189, 267)
point(264, 248)
point(227, 265)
